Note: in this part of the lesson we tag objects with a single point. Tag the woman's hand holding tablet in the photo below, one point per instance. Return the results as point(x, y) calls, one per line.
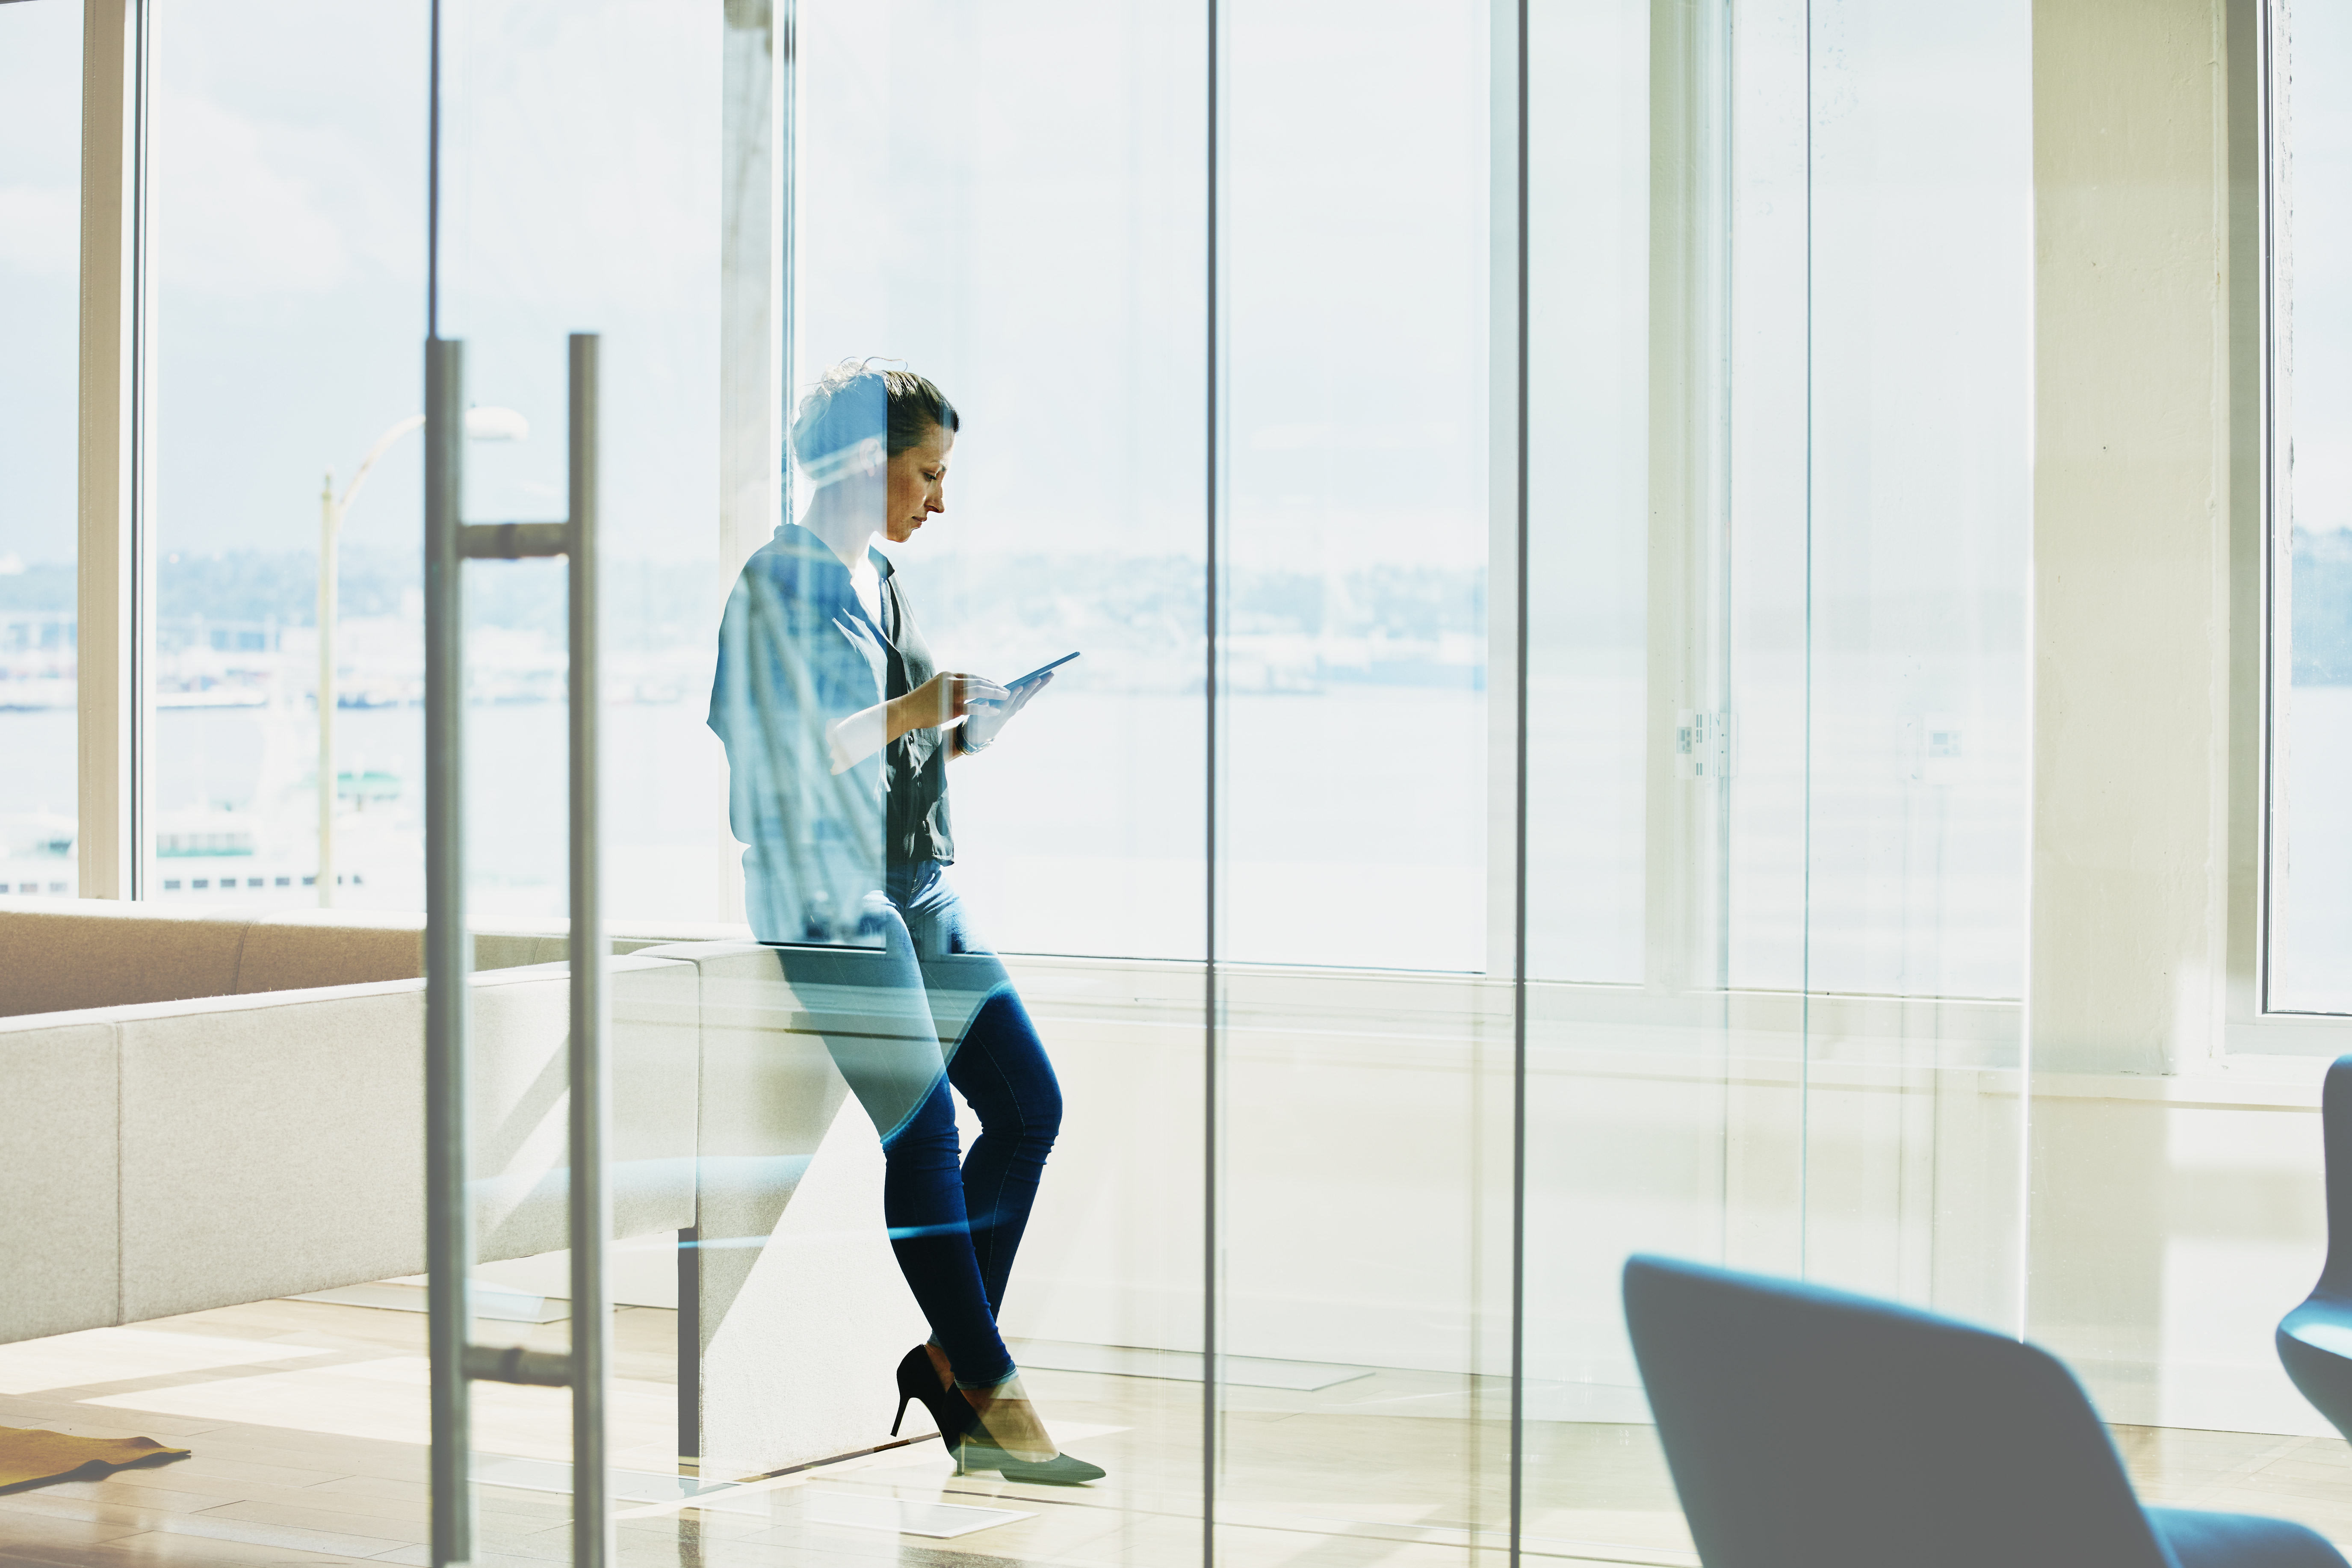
point(988, 718)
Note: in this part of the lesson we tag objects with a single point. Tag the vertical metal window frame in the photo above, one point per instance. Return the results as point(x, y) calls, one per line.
point(1212, 412)
point(755, 366)
point(1689, 671)
point(115, 577)
point(1686, 940)
point(1507, 427)
point(2259, 558)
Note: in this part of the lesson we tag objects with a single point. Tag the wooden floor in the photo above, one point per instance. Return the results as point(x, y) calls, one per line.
point(307, 1426)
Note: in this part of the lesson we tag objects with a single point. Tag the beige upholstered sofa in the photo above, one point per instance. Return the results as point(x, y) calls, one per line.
point(203, 1108)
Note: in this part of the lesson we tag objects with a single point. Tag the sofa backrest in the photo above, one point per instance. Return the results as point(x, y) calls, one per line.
point(296, 950)
point(300, 950)
point(58, 954)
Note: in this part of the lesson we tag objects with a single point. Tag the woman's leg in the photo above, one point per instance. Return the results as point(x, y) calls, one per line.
point(1002, 1071)
point(1000, 1068)
point(997, 1063)
point(923, 1204)
point(869, 1008)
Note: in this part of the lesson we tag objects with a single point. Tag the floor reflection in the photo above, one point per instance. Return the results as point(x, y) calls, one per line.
point(307, 1422)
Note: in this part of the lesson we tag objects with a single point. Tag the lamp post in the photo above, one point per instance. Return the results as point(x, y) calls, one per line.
point(481, 425)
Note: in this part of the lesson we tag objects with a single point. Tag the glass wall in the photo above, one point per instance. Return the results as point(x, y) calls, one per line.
point(1778, 355)
point(1779, 361)
point(555, 216)
point(1008, 200)
point(1918, 509)
point(1542, 776)
point(41, 245)
point(1361, 1124)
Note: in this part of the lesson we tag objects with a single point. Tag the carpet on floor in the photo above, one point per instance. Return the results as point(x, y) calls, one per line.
point(30, 1455)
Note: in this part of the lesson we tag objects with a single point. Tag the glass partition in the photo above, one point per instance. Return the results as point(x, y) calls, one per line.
point(1008, 201)
point(1656, 1117)
point(1362, 1180)
point(1780, 364)
point(556, 215)
point(1366, 1004)
point(1919, 511)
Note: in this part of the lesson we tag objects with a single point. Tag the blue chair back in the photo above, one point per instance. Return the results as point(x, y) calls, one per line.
point(1811, 1428)
point(2335, 1118)
point(2315, 1341)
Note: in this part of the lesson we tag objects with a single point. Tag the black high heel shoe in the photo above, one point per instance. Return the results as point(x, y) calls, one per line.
point(919, 1380)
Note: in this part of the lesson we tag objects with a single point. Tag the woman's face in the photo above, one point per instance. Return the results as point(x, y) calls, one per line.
point(919, 479)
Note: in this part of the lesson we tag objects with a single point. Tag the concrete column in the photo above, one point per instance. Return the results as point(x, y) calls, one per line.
point(2132, 669)
point(2131, 555)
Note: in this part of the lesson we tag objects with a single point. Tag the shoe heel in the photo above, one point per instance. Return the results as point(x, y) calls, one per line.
point(899, 1419)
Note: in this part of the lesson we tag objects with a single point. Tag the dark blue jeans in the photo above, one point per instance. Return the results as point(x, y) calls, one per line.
point(932, 1009)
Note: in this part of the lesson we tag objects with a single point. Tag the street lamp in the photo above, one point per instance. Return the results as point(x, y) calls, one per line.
point(481, 425)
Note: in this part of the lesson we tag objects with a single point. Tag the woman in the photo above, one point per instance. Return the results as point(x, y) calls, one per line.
point(838, 730)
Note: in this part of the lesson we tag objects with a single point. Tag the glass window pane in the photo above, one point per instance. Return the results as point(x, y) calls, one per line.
point(1354, 659)
point(2310, 510)
point(562, 216)
point(40, 234)
point(286, 200)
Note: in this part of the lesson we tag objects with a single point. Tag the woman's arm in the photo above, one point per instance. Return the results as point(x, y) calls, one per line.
point(942, 700)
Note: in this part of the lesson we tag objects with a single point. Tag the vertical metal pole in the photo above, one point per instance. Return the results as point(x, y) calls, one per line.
point(1211, 1082)
point(1519, 653)
point(448, 960)
point(1805, 841)
point(592, 1205)
point(689, 1346)
point(788, 72)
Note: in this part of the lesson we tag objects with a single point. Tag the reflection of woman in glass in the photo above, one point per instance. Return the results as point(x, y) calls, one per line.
point(838, 730)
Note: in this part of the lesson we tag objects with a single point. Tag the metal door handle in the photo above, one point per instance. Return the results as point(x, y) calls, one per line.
point(450, 543)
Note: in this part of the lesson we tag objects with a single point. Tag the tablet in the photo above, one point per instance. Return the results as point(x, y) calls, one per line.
point(1014, 685)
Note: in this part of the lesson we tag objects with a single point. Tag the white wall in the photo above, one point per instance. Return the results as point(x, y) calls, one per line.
point(2174, 1221)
